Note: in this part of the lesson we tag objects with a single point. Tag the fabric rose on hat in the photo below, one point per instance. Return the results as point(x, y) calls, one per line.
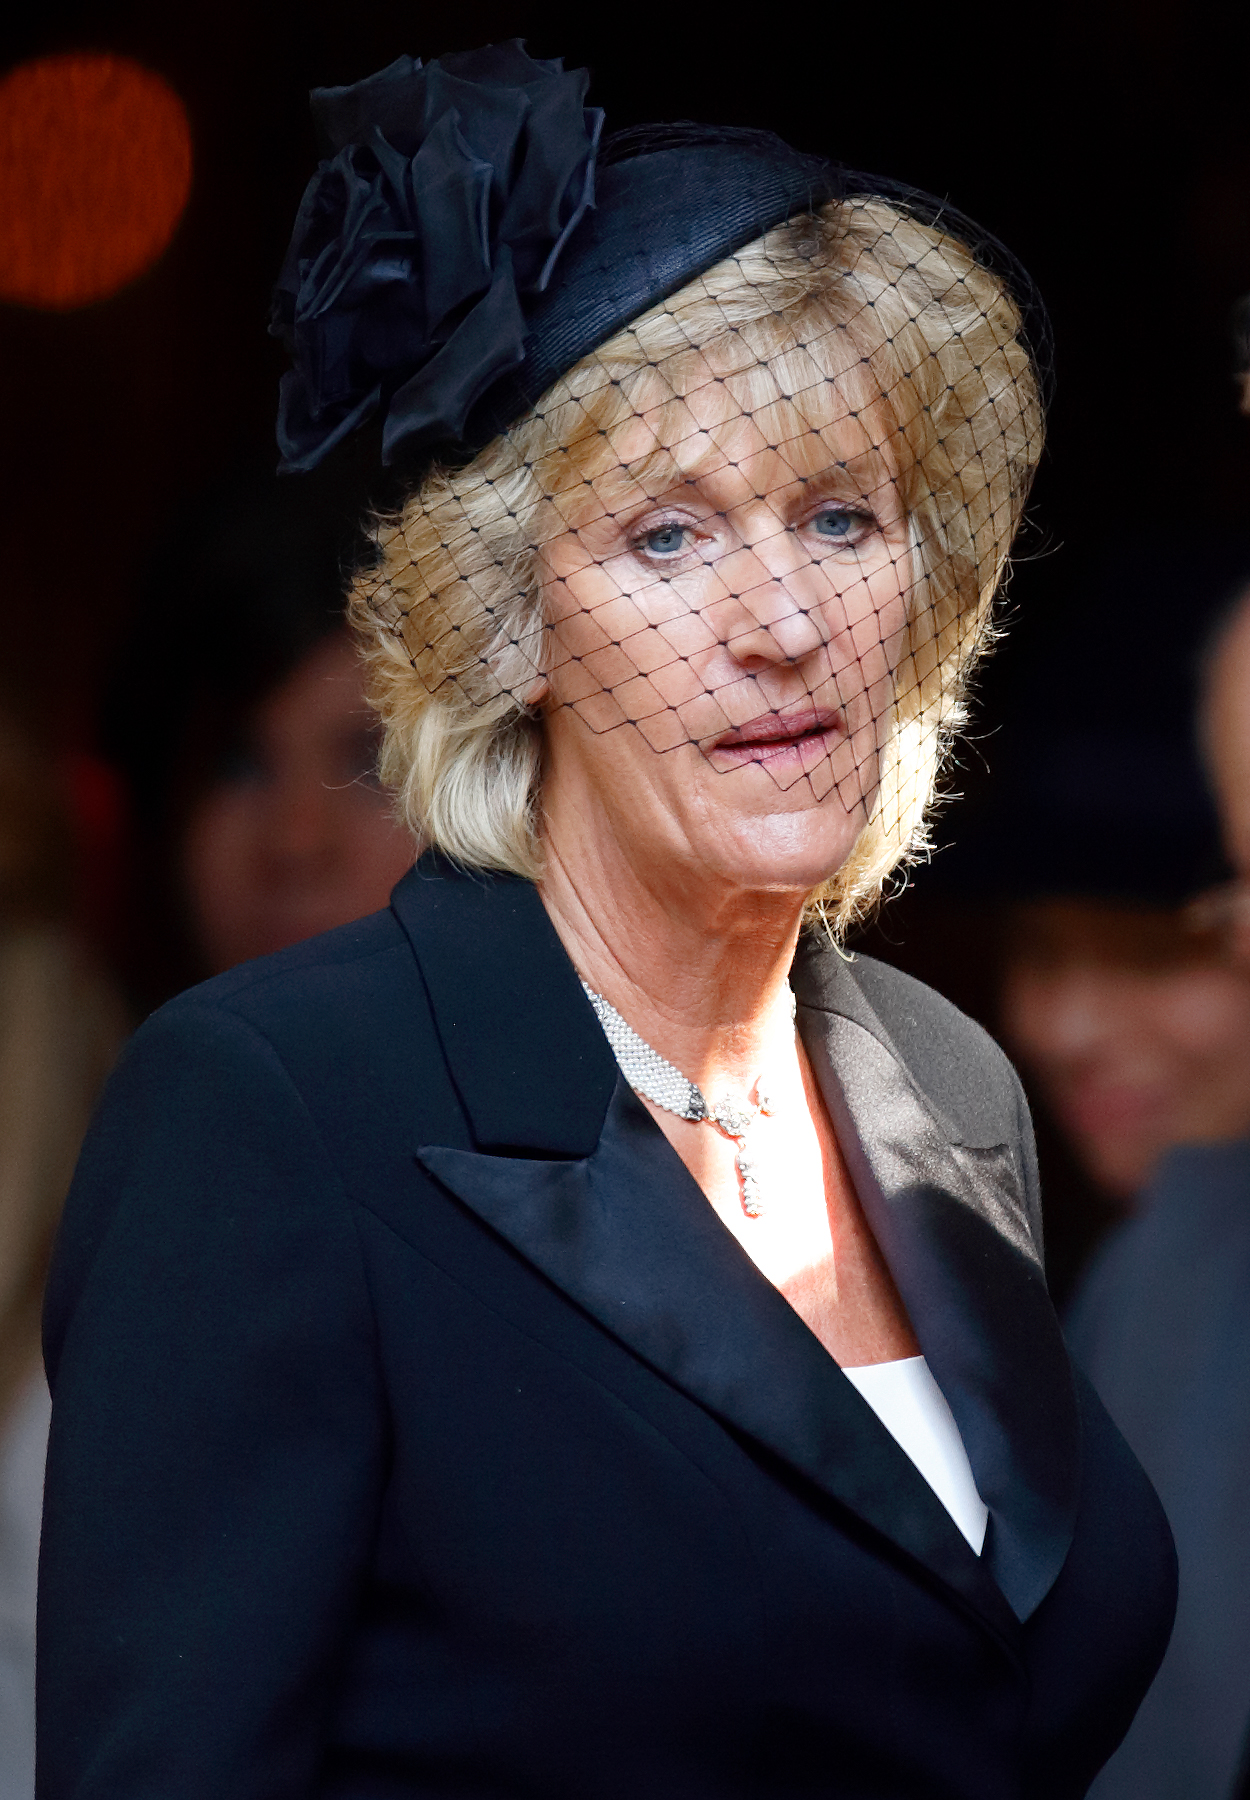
point(450, 192)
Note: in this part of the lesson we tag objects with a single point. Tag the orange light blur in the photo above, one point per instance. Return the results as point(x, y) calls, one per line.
point(95, 169)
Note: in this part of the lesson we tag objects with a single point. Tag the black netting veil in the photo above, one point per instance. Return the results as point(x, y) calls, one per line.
point(738, 488)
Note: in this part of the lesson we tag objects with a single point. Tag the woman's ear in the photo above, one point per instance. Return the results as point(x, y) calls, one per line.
point(536, 694)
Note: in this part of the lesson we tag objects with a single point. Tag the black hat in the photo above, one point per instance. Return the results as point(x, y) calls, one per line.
point(468, 241)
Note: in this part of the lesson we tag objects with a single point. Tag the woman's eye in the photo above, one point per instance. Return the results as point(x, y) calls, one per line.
point(666, 540)
point(838, 524)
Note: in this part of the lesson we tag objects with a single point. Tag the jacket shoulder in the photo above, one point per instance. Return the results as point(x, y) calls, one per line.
point(346, 1019)
point(948, 1051)
point(963, 1073)
point(955, 1063)
point(357, 989)
point(345, 962)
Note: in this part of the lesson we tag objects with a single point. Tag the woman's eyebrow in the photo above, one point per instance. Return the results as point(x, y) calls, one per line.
point(662, 474)
point(858, 478)
point(641, 482)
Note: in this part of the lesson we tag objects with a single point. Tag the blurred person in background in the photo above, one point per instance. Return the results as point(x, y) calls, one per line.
point(60, 1025)
point(1062, 916)
point(1117, 997)
point(1162, 1325)
point(1226, 730)
point(257, 813)
point(1133, 1021)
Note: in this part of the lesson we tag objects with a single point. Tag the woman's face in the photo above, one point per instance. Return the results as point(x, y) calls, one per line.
point(1137, 1031)
point(725, 615)
point(297, 838)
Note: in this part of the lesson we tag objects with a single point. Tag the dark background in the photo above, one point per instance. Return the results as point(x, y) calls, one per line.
point(1107, 142)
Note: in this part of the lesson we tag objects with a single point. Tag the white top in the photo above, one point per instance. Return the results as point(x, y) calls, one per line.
point(913, 1409)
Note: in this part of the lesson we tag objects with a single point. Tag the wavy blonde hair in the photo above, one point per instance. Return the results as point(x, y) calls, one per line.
point(450, 611)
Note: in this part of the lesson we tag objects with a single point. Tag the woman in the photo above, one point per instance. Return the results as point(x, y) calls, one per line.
point(252, 783)
point(451, 1331)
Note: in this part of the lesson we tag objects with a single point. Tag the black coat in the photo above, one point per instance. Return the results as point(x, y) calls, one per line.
point(419, 1430)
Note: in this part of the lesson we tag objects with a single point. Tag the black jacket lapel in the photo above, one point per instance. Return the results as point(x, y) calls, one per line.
point(529, 1060)
point(952, 1222)
point(628, 1235)
point(609, 1214)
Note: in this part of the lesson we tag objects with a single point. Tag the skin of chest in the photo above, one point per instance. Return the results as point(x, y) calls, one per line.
point(811, 1239)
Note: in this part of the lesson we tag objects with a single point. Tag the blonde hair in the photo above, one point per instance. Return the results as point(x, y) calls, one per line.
point(450, 611)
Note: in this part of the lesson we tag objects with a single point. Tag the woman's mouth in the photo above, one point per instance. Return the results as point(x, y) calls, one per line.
point(798, 738)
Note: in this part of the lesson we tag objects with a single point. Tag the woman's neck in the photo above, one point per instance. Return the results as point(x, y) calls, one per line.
point(697, 968)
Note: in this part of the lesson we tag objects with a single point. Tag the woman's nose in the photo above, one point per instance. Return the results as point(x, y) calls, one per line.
point(773, 611)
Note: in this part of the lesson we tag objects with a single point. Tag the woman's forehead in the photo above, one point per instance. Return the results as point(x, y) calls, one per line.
point(745, 451)
point(820, 374)
point(806, 410)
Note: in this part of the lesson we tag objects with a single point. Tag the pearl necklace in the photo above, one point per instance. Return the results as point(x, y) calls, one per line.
point(651, 1075)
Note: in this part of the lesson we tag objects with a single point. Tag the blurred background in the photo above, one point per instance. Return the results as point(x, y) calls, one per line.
point(1108, 143)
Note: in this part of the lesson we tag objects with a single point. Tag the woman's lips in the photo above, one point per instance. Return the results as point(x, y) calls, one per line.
point(802, 737)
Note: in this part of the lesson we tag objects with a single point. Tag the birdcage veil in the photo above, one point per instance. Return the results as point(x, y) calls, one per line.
point(703, 440)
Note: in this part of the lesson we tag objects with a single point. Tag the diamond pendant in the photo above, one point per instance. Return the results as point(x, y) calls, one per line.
point(661, 1082)
point(752, 1200)
point(734, 1120)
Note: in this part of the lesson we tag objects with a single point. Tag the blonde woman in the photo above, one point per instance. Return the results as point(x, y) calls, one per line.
point(578, 1333)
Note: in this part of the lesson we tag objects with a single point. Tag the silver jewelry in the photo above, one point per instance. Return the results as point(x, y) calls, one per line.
point(648, 1073)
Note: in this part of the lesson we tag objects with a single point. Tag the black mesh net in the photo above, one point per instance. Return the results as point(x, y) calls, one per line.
point(741, 442)
point(763, 525)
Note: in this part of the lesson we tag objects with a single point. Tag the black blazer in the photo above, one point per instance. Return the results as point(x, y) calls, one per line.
point(419, 1430)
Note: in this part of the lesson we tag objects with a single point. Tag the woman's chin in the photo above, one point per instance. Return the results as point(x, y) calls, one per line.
point(794, 851)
